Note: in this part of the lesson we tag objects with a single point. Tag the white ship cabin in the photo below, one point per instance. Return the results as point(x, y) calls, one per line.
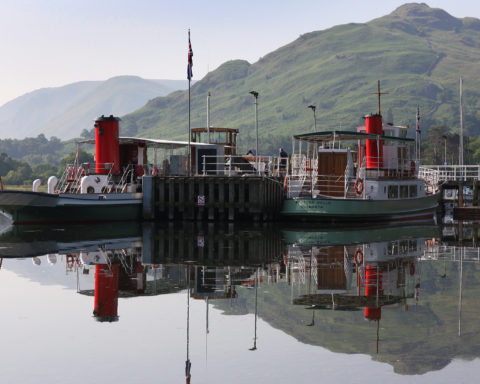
point(355, 165)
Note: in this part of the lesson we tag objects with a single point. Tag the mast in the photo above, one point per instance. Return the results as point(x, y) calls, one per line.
point(188, 364)
point(256, 312)
point(460, 150)
point(208, 116)
point(418, 138)
point(189, 77)
point(379, 93)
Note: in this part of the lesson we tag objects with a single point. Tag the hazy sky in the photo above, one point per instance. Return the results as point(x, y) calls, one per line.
point(48, 43)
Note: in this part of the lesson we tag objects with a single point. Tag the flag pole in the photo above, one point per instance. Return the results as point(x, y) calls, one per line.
point(189, 145)
point(189, 76)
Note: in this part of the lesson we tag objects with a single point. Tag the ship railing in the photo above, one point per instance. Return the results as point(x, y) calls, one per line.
point(396, 167)
point(451, 253)
point(71, 178)
point(335, 186)
point(445, 173)
point(126, 179)
point(232, 165)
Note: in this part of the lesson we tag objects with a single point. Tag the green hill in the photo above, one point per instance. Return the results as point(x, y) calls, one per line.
point(417, 52)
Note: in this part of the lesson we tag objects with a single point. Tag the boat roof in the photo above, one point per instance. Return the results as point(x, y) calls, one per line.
point(154, 143)
point(215, 129)
point(328, 136)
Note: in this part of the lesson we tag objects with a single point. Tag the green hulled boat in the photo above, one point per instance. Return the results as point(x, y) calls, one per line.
point(368, 175)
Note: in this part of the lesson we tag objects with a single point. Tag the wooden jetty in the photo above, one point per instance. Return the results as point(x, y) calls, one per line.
point(212, 198)
point(455, 178)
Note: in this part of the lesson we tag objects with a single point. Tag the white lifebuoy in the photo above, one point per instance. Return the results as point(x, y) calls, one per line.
point(358, 257)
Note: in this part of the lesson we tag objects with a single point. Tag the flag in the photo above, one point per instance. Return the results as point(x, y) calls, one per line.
point(190, 59)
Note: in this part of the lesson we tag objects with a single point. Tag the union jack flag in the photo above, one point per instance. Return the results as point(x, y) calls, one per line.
point(190, 59)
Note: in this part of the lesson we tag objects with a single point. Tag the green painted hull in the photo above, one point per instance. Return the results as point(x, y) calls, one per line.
point(42, 208)
point(361, 210)
point(75, 214)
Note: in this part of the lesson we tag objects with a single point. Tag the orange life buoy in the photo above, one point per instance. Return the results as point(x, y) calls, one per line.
point(358, 186)
point(358, 257)
point(285, 184)
point(70, 174)
point(308, 165)
point(81, 171)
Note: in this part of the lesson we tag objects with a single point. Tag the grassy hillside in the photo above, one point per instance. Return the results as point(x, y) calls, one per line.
point(417, 52)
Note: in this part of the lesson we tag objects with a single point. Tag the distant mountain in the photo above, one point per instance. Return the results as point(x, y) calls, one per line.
point(417, 52)
point(65, 111)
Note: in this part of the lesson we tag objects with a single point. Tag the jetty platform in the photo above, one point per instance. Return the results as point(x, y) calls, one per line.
point(212, 198)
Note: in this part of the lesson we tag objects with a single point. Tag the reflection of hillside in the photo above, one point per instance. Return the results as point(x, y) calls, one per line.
point(418, 340)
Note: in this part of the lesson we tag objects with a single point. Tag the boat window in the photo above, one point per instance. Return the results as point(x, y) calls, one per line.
point(413, 191)
point(393, 191)
point(403, 191)
point(403, 247)
point(413, 245)
point(391, 248)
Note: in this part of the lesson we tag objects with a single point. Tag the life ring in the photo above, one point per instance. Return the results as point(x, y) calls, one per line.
point(358, 257)
point(155, 171)
point(308, 165)
point(81, 171)
point(70, 174)
point(413, 167)
point(412, 269)
point(358, 186)
point(285, 184)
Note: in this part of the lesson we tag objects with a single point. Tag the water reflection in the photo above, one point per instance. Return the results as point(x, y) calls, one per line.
point(405, 295)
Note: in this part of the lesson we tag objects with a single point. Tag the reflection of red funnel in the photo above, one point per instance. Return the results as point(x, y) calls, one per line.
point(106, 293)
point(373, 313)
point(373, 286)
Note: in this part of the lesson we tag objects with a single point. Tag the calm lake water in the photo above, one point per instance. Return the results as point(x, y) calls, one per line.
point(123, 303)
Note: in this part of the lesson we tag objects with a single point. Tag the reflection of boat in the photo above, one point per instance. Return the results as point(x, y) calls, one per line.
point(368, 276)
point(305, 235)
point(29, 241)
point(326, 183)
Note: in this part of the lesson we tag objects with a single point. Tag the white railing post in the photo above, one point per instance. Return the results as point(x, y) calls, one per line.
point(203, 165)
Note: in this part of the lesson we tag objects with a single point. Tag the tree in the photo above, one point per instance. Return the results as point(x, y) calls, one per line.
point(21, 175)
point(83, 157)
